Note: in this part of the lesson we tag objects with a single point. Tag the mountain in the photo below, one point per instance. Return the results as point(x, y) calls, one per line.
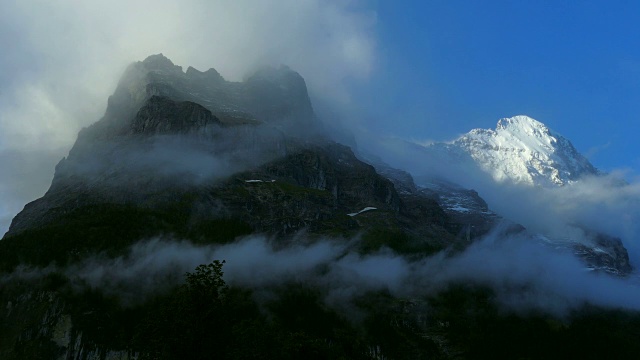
point(252, 152)
point(522, 150)
point(185, 163)
point(165, 130)
point(190, 156)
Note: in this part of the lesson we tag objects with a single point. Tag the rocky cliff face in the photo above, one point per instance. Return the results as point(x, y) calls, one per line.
point(162, 115)
point(465, 206)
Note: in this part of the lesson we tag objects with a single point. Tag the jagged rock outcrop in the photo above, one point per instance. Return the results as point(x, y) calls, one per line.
point(162, 115)
point(601, 253)
point(465, 207)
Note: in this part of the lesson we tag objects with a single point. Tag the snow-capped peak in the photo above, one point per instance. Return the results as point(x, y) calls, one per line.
point(521, 121)
point(524, 150)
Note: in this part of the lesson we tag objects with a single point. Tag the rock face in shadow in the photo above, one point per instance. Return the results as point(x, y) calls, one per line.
point(607, 253)
point(162, 115)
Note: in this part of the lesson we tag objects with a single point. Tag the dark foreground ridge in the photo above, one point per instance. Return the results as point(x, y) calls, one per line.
point(191, 158)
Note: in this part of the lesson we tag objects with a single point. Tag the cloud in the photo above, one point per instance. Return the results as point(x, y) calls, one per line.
point(606, 204)
point(524, 274)
point(210, 154)
point(154, 265)
point(589, 154)
point(528, 275)
point(75, 51)
point(61, 60)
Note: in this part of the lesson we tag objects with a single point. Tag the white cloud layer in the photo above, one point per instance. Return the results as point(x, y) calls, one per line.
point(524, 274)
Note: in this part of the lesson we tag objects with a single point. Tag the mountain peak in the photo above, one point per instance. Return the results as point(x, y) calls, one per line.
point(160, 62)
point(524, 150)
point(520, 121)
point(275, 96)
point(525, 133)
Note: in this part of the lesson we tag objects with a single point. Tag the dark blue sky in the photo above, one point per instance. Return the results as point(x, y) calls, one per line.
point(445, 67)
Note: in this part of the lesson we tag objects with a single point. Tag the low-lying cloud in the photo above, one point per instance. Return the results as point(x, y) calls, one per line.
point(528, 275)
point(608, 204)
point(605, 204)
point(524, 274)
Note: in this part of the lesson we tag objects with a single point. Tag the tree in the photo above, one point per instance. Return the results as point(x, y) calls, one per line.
point(205, 286)
point(190, 322)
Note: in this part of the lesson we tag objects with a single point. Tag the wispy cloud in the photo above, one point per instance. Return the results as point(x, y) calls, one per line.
point(524, 274)
point(591, 152)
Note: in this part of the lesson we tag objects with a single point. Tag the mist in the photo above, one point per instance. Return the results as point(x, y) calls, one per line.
point(527, 275)
point(524, 275)
point(605, 204)
point(608, 203)
point(202, 157)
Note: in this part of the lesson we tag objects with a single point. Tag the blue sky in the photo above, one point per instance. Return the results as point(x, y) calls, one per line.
point(445, 67)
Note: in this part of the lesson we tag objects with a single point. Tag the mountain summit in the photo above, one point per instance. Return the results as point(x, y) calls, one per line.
point(524, 150)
